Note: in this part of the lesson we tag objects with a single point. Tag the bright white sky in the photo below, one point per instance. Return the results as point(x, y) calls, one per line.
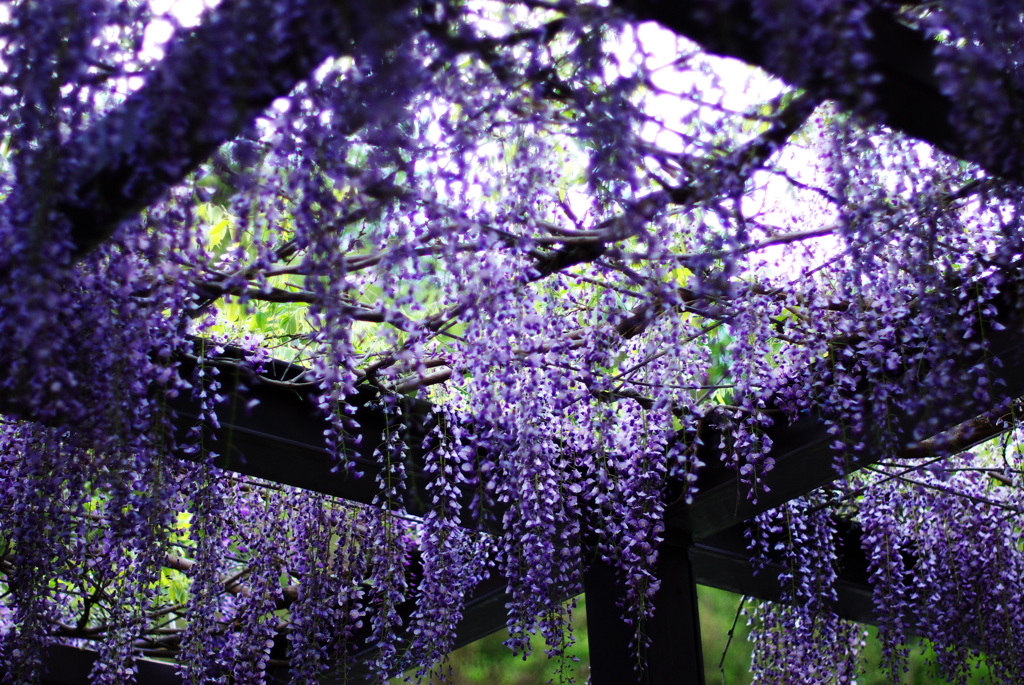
point(746, 86)
point(183, 12)
point(725, 83)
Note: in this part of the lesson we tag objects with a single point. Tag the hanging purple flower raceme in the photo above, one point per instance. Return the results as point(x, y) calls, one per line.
point(453, 560)
point(745, 445)
point(531, 473)
point(207, 491)
point(257, 591)
point(34, 526)
point(977, 46)
point(951, 571)
point(832, 36)
point(634, 506)
point(885, 544)
point(388, 566)
point(310, 639)
point(801, 640)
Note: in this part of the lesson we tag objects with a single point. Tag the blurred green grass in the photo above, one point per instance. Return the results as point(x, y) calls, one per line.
point(489, 662)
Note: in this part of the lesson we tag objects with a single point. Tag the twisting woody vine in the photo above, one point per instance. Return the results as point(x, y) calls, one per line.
point(507, 231)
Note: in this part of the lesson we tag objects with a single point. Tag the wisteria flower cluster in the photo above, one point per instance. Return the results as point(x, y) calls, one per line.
point(530, 269)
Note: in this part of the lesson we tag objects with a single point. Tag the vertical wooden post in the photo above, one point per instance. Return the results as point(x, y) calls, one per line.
point(612, 661)
point(675, 656)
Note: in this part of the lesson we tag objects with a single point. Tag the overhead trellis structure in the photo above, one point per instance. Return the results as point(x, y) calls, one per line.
point(280, 438)
point(365, 437)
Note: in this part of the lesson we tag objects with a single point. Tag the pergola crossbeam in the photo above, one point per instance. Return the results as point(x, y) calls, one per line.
point(134, 155)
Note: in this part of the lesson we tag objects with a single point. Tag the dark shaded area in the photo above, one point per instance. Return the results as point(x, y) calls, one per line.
point(213, 83)
point(134, 155)
point(907, 96)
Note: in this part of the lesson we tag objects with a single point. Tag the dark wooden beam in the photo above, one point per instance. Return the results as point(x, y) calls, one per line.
point(484, 614)
point(213, 83)
point(722, 561)
point(954, 420)
point(613, 660)
point(65, 665)
point(674, 655)
point(276, 433)
point(271, 427)
point(907, 96)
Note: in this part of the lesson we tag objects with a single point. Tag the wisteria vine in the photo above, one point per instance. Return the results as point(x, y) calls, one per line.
point(565, 256)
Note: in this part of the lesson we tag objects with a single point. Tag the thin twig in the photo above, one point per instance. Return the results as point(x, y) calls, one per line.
point(732, 632)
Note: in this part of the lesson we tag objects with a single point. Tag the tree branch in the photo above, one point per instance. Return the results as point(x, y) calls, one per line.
point(212, 84)
point(908, 95)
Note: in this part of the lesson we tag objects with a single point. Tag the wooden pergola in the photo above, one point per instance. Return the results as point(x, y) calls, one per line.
point(280, 438)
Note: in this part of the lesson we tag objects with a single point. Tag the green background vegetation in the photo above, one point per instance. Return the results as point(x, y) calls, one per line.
point(489, 662)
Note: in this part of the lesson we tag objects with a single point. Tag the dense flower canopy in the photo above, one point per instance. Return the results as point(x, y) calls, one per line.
point(554, 248)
